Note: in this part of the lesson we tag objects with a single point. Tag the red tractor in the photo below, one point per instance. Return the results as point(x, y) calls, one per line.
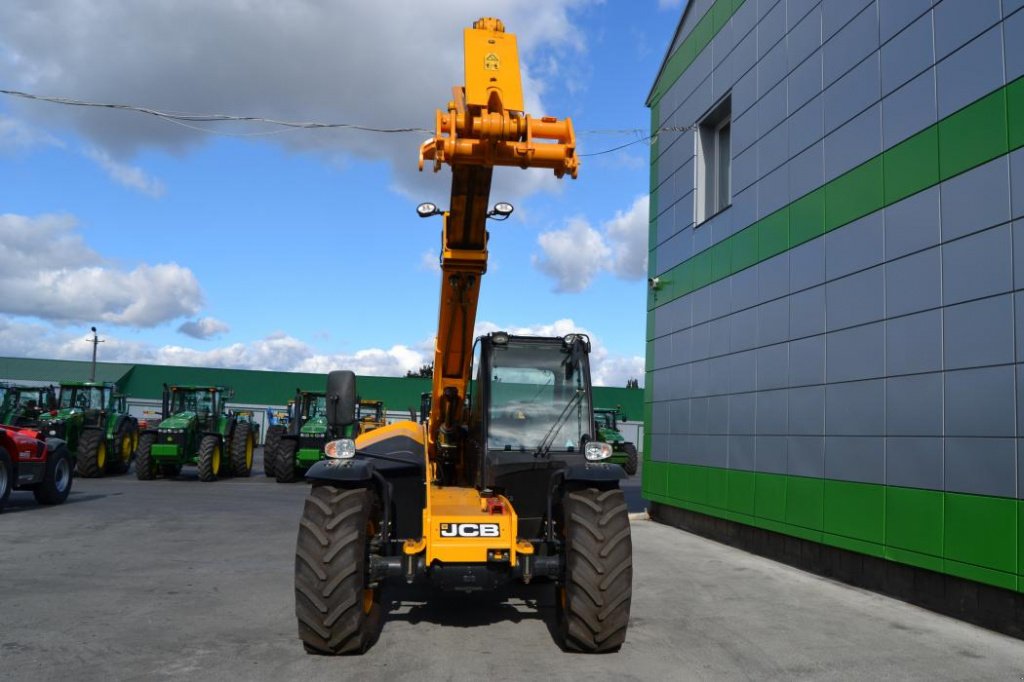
point(29, 463)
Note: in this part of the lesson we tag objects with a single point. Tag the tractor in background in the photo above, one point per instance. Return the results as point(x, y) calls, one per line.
point(196, 428)
point(301, 445)
point(92, 418)
point(23, 405)
point(28, 462)
point(277, 425)
point(623, 452)
point(371, 414)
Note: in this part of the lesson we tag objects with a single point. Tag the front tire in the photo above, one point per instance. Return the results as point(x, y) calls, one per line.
point(629, 466)
point(6, 477)
point(209, 458)
point(56, 484)
point(124, 441)
point(593, 601)
point(337, 611)
point(242, 446)
point(92, 453)
point(285, 464)
point(270, 448)
point(145, 467)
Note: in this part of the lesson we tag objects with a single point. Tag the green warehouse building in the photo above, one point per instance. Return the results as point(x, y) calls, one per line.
point(835, 338)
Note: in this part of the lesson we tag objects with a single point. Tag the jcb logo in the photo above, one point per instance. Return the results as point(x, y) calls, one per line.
point(470, 530)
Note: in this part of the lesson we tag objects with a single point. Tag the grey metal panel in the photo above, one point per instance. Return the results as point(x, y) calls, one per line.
point(660, 379)
point(854, 92)
point(741, 453)
point(720, 374)
point(978, 265)
point(855, 299)
point(914, 462)
point(681, 377)
point(981, 466)
point(806, 456)
point(893, 17)
point(723, 43)
point(851, 44)
point(1010, 6)
point(805, 82)
point(772, 68)
point(699, 415)
point(718, 414)
point(958, 21)
point(773, 322)
point(1020, 468)
point(978, 333)
point(681, 452)
point(659, 448)
point(700, 379)
point(745, 171)
point(913, 405)
point(772, 109)
point(1013, 46)
point(661, 417)
point(1017, 181)
point(1018, 316)
point(721, 304)
point(1018, 254)
point(771, 412)
point(807, 171)
point(744, 55)
point(855, 353)
point(701, 341)
point(742, 410)
point(697, 9)
point(743, 372)
point(980, 402)
point(717, 453)
point(796, 10)
point(804, 37)
point(855, 409)
point(744, 208)
point(837, 13)
point(909, 110)
point(743, 330)
point(771, 28)
point(853, 143)
point(807, 411)
point(807, 313)
point(914, 343)
point(744, 94)
point(773, 191)
point(913, 283)
point(857, 459)
point(856, 246)
point(807, 265)
point(744, 293)
point(701, 237)
point(679, 414)
point(771, 454)
point(912, 224)
point(773, 277)
point(971, 72)
point(662, 352)
point(701, 299)
point(807, 361)
point(907, 54)
point(773, 367)
point(773, 149)
point(977, 199)
point(1020, 401)
point(805, 128)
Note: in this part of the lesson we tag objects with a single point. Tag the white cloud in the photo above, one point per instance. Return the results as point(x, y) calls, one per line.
point(204, 328)
point(576, 254)
point(295, 60)
point(429, 261)
point(670, 4)
point(125, 174)
point(18, 135)
point(50, 273)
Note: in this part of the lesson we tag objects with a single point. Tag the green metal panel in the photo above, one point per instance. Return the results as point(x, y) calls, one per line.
point(912, 165)
point(981, 531)
point(741, 491)
point(770, 496)
point(718, 488)
point(973, 135)
point(807, 217)
point(744, 248)
point(772, 234)
point(1015, 113)
point(805, 502)
point(914, 520)
point(854, 194)
point(855, 510)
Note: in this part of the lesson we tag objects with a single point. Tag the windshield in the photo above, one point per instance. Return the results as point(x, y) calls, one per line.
point(537, 399)
point(82, 397)
point(200, 402)
point(606, 420)
point(316, 406)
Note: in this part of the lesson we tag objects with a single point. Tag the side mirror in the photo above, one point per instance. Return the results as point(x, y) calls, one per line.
point(341, 399)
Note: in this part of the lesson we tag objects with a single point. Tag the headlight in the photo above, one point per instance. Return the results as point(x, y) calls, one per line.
point(596, 451)
point(344, 448)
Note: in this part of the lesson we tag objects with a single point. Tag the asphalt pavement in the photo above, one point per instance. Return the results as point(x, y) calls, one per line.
point(183, 580)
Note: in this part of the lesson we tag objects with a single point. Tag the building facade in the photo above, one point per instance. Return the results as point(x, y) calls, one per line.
point(836, 312)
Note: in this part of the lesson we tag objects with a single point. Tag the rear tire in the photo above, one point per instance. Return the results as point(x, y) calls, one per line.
point(92, 453)
point(593, 602)
point(270, 450)
point(629, 466)
point(145, 468)
point(337, 613)
point(242, 446)
point(209, 458)
point(6, 477)
point(285, 463)
point(57, 480)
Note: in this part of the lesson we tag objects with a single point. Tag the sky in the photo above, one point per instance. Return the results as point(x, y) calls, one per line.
point(250, 246)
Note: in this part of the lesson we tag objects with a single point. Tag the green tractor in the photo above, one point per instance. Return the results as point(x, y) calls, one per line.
point(93, 419)
point(196, 429)
point(623, 452)
point(24, 405)
point(292, 449)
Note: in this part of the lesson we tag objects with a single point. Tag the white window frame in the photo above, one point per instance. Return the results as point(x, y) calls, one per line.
point(713, 195)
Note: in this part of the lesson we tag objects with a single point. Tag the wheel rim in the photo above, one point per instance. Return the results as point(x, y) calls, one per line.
point(101, 454)
point(61, 475)
point(248, 453)
point(126, 447)
point(215, 461)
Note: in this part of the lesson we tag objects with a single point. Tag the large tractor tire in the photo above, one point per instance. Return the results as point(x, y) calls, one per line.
point(6, 477)
point(629, 466)
point(92, 453)
point(243, 444)
point(56, 483)
point(145, 467)
point(270, 450)
point(337, 611)
point(124, 442)
point(210, 464)
point(593, 602)
point(285, 464)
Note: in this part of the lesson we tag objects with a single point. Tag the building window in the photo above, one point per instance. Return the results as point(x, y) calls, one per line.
point(714, 161)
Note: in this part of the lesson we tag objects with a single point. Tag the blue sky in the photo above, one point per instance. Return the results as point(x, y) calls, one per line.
point(249, 246)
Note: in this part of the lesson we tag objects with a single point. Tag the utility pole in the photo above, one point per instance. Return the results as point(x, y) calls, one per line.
point(95, 340)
